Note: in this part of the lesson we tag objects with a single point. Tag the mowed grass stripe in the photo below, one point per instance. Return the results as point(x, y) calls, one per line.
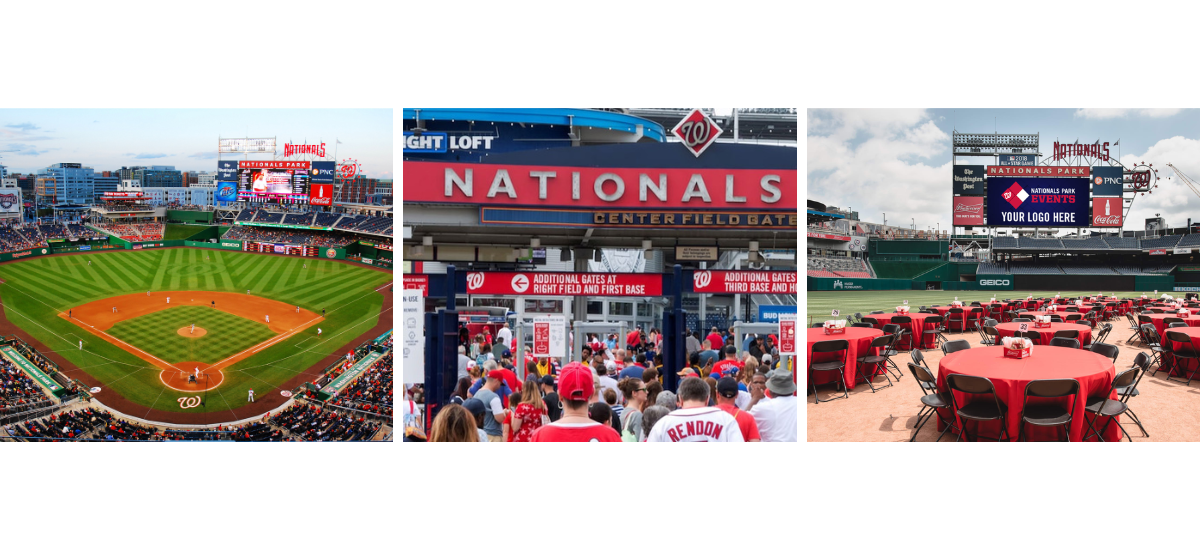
point(164, 263)
point(250, 278)
point(346, 285)
point(261, 283)
point(327, 281)
point(176, 261)
point(252, 261)
point(66, 265)
point(47, 285)
point(133, 273)
point(105, 267)
point(337, 292)
point(226, 281)
point(143, 261)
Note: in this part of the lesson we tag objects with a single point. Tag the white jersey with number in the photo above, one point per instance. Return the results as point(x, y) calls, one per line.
point(703, 424)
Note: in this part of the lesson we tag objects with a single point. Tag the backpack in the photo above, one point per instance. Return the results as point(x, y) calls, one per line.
point(627, 434)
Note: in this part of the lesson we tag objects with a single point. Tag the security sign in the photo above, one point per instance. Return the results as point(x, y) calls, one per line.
point(550, 336)
point(787, 334)
point(697, 131)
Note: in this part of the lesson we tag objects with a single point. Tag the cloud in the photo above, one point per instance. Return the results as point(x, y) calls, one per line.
point(204, 155)
point(25, 150)
point(1104, 114)
point(24, 126)
point(147, 155)
point(871, 160)
point(1172, 197)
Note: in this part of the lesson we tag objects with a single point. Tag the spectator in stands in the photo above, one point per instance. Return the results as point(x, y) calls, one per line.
point(577, 388)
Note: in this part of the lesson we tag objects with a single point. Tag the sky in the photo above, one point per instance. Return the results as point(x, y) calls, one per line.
point(898, 161)
point(107, 139)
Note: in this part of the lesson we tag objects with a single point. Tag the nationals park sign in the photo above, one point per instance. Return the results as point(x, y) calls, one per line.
point(564, 284)
point(583, 187)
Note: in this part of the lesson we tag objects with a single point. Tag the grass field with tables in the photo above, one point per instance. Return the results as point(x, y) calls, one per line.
point(821, 304)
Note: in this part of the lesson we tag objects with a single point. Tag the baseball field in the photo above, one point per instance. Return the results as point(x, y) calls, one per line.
point(821, 304)
point(150, 320)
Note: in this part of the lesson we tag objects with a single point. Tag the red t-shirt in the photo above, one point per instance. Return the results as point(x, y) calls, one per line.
point(716, 341)
point(745, 422)
point(531, 420)
point(720, 366)
point(633, 338)
point(576, 433)
point(508, 416)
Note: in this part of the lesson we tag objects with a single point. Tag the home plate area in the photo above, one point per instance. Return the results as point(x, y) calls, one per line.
point(193, 336)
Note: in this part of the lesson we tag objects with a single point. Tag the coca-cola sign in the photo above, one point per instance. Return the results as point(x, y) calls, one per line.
point(968, 211)
point(1106, 211)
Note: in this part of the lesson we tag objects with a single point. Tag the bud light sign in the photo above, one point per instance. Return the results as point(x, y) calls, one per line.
point(968, 211)
point(226, 192)
point(1107, 181)
point(1038, 202)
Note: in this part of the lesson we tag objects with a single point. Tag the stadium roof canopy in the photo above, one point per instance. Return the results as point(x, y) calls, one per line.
point(817, 213)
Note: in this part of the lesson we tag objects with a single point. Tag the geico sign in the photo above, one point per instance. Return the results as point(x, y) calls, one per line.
point(995, 282)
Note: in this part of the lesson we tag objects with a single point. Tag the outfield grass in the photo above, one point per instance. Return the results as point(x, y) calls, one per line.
point(36, 290)
point(177, 231)
point(157, 334)
point(821, 304)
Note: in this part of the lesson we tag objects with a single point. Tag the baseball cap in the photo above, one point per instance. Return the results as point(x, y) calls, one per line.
point(497, 374)
point(507, 353)
point(727, 387)
point(575, 383)
point(548, 380)
point(766, 358)
point(474, 406)
point(688, 373)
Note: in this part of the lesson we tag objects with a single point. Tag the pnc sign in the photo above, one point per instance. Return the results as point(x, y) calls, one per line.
point(697, 131)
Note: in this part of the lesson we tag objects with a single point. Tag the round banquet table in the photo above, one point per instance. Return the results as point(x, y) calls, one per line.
point(1185, 368)
point(860, 346)
point(968, 317)
point(1159, 318)
point(1085, 332)
point(1094, 372)
point(916, 326)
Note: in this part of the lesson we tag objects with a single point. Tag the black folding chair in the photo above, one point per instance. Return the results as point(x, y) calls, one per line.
point(1186, 352)
point(870, 366)
point(979, 410)
point(904, 334)
point(991, 336)
point(1103, 407)
point(932, 401)
point(954, 346)
point(829, 346)
point(818, 325)
point(934, 325)
point(1150, 338)
point(1059, 342)
point(1133, 324)
point(1049, 414)
point(1108, 350)
point(956, 315)
point(863, 325)
point(1142, 363)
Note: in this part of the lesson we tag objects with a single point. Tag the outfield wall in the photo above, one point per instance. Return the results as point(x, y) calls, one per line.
point(202, 217)
point(1100, 283)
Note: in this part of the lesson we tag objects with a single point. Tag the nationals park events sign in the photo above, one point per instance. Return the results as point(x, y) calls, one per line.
point(584, 187)
point(744, 282)
point(564, 284)
point(1039, 202)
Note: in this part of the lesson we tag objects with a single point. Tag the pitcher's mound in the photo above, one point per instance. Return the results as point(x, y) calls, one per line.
point(186, 332)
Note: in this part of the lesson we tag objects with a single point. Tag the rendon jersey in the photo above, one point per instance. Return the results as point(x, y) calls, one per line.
point(705, 424)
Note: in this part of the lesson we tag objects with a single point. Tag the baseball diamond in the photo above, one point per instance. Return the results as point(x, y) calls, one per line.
point(139, 350)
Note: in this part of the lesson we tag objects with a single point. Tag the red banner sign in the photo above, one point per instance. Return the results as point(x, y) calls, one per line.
point(417, 282)
point(1041, 171)
point(787, 337)
point(1158, 252)
point(744, 282)
point(565, 284)
point(559, 186)
point(968, 211)
point(290, 164)
point(122, 195)
point(305, 149)
point(1106, 211)
point(1094, 150)
point(815, 235)
point(320, 194)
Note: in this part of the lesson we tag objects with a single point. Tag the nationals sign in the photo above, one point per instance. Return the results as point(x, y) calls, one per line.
point(567, 186)
point(1040, 202)
point(284, 164)
point(290, 150)
point(697, 131)
point(564, 284)
point(744, 282)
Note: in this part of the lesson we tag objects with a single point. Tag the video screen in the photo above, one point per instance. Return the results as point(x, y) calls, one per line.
point(273, 184)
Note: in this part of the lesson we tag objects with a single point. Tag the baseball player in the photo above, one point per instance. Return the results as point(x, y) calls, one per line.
point(81, 345)
point(318, 334)
point(694, 420)
point(197, 374)
point(114, 309)
point(71, 313)
point(168, 299)
point(268, 318)
point(322, 312)
point(193, 332)
point(247, 292)
point(147, 293)
point(214, 304)
point(89, 262)
point(250, 399)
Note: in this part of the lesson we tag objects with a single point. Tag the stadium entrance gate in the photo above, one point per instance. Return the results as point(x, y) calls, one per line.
point(574, 344)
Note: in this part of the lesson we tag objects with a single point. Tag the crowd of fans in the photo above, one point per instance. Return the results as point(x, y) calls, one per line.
point(135, 231)
point(315, 423)
point(371, 392)
point(99, 424)
point(615, 393)
point(19, 392)
point(288, 236)
point(128, 206)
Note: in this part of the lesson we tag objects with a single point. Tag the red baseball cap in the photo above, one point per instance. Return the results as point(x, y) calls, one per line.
point(495, 373)
point(575, 383)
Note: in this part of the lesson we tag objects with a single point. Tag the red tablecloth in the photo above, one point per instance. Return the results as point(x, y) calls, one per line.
point(1085, 332)
point(1094, 372)
point(860, 346)
point(1158, 318)
point(1186, 367)
point(916, 326)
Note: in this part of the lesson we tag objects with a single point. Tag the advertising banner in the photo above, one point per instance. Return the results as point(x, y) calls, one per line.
point(323, 171)
point(320, 194)
point(417, 282)
point(246, 145)
point(787, 334)
point(968, 210)
point(274, 164)
point(226, 193)
point(427, 142)
point(10, 200)
point(1158, 252)
point(744, 282)
point(1040, 171)
point(1106, 211)
point(581, 186)
point(771, 314)
point(1038, 202)
point(227, 170)
point(550, 336)
point(970, 179)
point(1018, 160)
point(1107, 181)
point(565, 284)
point(817, 235)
